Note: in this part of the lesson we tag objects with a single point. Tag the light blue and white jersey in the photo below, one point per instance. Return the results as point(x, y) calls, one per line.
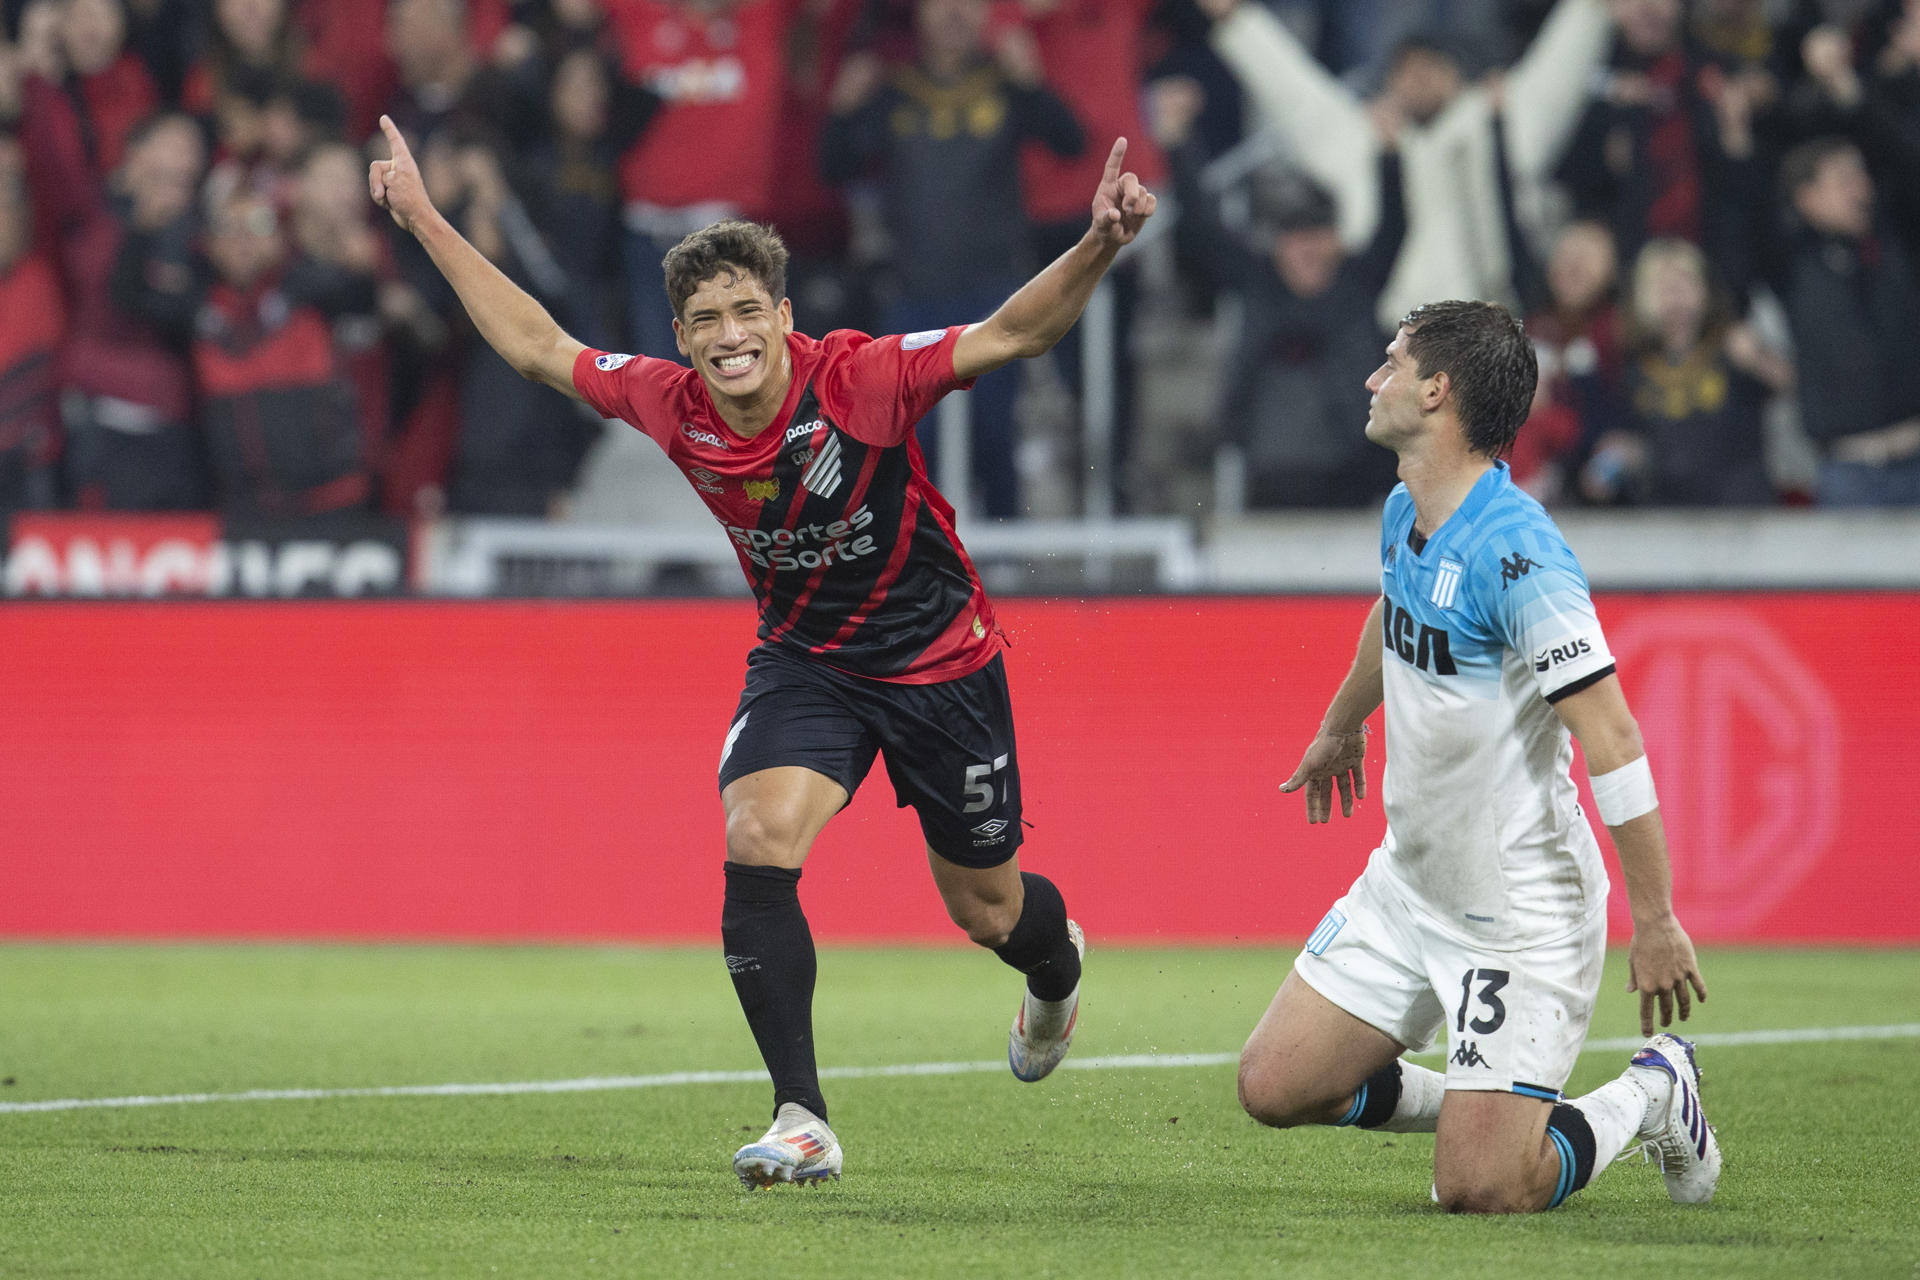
point(1486, 625)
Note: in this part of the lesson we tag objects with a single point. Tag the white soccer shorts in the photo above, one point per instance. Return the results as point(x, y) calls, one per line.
point(1514, 1020)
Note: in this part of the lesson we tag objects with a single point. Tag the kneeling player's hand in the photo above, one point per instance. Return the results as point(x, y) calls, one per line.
point(1661, 966)
point(1332, 759)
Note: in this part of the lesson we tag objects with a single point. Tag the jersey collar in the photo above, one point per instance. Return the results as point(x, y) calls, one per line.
point(1485, 489)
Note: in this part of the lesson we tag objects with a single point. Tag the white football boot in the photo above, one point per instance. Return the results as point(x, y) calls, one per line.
point(1679, 1136)
point(1043, 1029)
point(798, 1148)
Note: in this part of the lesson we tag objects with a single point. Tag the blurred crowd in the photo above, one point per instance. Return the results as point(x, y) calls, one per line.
point(1709, 212)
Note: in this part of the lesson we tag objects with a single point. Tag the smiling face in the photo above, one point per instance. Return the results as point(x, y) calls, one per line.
point(736, 335)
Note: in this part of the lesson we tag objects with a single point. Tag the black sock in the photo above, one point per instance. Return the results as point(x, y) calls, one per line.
point(1039, 946)
point(1572, 1136)
point(1379, 1095)
point(770, 955)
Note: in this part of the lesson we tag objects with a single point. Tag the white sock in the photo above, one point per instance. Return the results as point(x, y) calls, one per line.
point(1421, 1092)
point(1618, 1110)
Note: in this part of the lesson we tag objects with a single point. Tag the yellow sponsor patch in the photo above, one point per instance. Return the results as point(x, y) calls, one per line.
point(762, 490)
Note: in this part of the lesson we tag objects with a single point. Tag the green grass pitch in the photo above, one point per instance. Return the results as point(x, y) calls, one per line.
point(1092, 1173)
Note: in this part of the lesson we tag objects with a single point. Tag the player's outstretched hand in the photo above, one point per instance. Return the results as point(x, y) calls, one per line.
point(1332, 758)
point(1121, 206)
point(1661, 966)
point(395, 184)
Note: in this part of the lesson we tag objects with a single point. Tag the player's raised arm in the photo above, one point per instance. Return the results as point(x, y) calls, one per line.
point(509, 318)
point(1042, 310)
point(1338, 752)
point(1661, 965)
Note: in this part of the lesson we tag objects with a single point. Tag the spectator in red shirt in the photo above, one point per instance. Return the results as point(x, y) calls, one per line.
point(1667, 146)
point(718, 67)
point(1094, 52)
point(1576, 337)
point(32, 318)
point(257, 35)
point(111, 88)
point(126, 401)
point(280, 418)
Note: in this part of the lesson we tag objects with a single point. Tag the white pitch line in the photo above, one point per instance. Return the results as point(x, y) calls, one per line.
point(1113, 1062)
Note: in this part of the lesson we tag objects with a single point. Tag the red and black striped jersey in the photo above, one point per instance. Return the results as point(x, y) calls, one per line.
point(850, 550)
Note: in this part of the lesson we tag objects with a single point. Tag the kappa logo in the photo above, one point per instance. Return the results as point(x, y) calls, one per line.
point(1513, 568)
point(1549, 658)
point(822, 476)
point(608, 363)
point(762, 490)
point(699, 436)
point(1468, 1055)
point(706, 481)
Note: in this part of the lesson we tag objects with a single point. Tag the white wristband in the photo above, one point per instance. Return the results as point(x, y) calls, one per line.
point(1625, 793)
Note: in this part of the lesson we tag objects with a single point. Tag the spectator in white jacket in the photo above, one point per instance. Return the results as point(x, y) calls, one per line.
point(1472, 153)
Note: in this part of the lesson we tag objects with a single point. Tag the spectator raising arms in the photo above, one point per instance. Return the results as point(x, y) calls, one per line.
point(943, 138)
point(1457, 244)
point(1296, 377)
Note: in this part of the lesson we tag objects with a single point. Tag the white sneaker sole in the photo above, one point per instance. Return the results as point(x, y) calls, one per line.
point(763, 1165)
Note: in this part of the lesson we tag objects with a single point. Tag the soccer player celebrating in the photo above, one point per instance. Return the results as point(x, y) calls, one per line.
point(875, 634)
point(1484, 910)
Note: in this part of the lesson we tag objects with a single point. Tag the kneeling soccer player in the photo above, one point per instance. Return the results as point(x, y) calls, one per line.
point(1484, 910)
point(876, 636)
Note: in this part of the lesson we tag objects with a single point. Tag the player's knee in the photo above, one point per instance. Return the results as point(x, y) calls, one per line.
point(759, 836)
point(1268, 1095)
point(1482, 1194)
point(986, 924)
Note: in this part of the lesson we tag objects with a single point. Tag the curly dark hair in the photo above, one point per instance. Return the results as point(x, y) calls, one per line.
point(1489, 360)
point(730, 246)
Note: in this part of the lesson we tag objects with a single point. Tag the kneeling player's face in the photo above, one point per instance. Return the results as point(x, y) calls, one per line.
point(1394, 411)
point(735, 334)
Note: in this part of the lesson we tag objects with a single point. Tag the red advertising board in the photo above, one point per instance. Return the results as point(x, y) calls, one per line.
point(523, 771)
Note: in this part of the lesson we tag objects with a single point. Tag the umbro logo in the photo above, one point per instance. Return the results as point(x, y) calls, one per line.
point(990, 832)
point(706, 481)
point(743, 964)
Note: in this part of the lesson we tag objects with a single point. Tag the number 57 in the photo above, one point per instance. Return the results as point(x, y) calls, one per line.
point(979, 789)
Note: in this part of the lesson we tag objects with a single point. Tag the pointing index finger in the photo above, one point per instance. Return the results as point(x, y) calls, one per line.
point(396, 144)
point(1115, 159)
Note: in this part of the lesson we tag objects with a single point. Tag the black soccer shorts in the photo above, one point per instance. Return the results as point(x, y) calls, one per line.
point(948, 746)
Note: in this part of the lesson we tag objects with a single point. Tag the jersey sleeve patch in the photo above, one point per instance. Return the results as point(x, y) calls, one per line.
point(626, 388)
point(879, 388)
